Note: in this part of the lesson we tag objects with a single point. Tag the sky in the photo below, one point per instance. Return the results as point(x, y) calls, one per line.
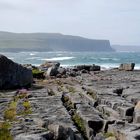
point(115, 20)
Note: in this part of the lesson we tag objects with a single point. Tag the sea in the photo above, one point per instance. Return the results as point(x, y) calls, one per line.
point(106, 60)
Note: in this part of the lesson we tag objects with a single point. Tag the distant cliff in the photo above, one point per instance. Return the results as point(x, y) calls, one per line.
point(50, 42)
point(127, 48)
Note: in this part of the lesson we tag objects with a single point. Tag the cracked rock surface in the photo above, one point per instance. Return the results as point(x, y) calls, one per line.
point(101, 105)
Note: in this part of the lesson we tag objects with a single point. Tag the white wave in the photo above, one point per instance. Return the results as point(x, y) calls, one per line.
point(137, 67)
point(32, 58)
point(12, 58)
point(114, 59)
point(66, 66)
point(59, 54)
point(37, 65)
point(32, 54)
point(108, 66)
point(57, 58)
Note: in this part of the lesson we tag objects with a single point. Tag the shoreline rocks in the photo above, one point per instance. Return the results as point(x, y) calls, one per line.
point(127, 67)
point(79, 103)
point(13, 75)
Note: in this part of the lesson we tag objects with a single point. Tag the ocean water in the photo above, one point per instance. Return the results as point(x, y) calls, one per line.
point(106, 59)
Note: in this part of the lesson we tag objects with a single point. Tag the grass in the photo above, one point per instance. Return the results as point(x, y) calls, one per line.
point(38, 74)
point(71, 89)
point(26, 105)
point(75, 117)
point(4, 131)
point(13, 104)
point(108, 134)
point(10, 114)
point(80, 124)
point(92, 93)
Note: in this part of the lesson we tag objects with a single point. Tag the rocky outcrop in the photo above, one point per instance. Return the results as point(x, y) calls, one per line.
point(88, 67)
point(47, 64)
point(13, 75)
point(127, 67)
point(91, 105)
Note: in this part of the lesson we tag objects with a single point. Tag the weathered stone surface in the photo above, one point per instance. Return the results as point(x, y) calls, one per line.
point(46, 65)
point(137, 113)
point(62, 71)
point(127, 67)
point(42, 136)
point(125, 131)
point(101, 105)
point(62, 132)
point(52, 71)
point(13, 75)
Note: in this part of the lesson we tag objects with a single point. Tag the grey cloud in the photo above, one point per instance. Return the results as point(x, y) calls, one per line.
point(117, 20)
point(7, 6)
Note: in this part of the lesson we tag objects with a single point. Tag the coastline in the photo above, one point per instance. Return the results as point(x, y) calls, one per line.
point(79, 103)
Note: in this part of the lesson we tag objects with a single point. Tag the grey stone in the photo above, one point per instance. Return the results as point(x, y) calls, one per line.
point(13, 75)
point(42, 136)
point(127, 67)
point(62, 71)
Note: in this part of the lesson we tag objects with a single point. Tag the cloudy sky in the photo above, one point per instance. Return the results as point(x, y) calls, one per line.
point(116, 20)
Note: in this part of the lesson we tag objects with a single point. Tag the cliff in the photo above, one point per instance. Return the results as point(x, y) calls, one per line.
point(50, 42)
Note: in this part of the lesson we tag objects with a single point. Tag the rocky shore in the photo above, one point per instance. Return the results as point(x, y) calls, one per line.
point(79, 103)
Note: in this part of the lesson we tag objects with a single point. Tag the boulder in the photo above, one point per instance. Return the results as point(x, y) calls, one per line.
point(50, 68)
point(13, 75)
point(95, 68)
point(88, 67)
point(82, 67)
point(52, 71)
point(127, 67)
point(46, 65)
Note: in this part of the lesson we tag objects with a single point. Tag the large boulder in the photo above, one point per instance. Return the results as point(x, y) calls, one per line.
point(47, 65)
point(87, 67)
point(52, 71)
point(13, 75)
point(127, 67)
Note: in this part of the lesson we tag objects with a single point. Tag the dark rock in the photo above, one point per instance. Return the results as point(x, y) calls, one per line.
point(13, 75)
point(87, 67)
point(95, 68)
point(83, 67)
point(118, 91)
point(52, 71)
point(127, 67)
point(51, 68)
